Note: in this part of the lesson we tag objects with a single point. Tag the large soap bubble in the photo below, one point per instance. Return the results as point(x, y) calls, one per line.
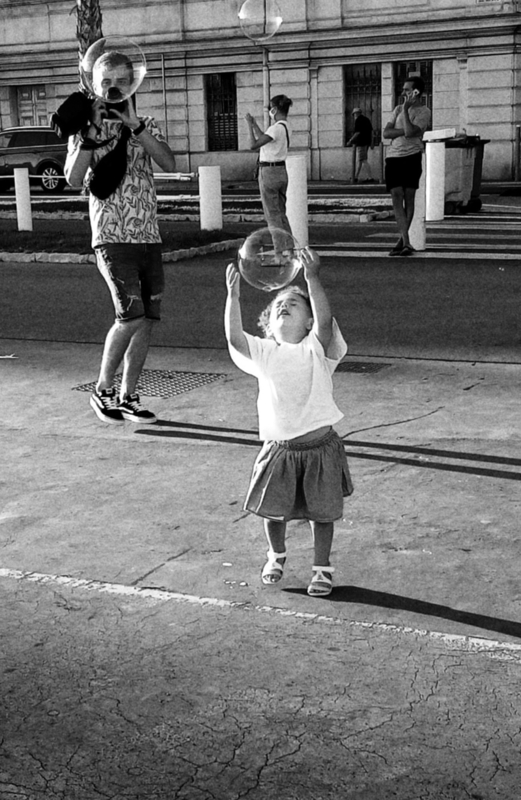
point(269, 259)
point(113, 68)
point(260, 19)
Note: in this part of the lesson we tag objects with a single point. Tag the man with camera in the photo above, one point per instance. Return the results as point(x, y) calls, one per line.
point(112, 157)
point(403, 165)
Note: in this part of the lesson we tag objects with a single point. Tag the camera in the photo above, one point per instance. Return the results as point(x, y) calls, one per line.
point(75, 112)
point(73, 115)
point(121, 107)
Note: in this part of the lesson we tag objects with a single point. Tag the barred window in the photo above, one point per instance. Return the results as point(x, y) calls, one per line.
point(221, 111)
point(405, 70)
point(363, 89)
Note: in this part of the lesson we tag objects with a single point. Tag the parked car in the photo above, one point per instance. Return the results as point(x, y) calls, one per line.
point(38, 148)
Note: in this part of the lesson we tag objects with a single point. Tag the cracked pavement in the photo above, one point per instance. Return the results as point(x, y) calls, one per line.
point(133, 698)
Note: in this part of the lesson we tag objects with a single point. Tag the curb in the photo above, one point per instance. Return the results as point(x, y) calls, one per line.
point(90, 258)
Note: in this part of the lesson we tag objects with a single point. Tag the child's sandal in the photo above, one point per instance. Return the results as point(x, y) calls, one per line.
point(321, 585)
point(272, 571)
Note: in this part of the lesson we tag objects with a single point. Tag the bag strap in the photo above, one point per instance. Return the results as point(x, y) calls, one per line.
point(280, 122)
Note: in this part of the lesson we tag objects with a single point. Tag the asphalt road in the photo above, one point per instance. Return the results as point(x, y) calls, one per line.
point(439, 308)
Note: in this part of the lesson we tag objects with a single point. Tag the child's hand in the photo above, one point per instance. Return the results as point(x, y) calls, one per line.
point(311, 262)
point(233, 277)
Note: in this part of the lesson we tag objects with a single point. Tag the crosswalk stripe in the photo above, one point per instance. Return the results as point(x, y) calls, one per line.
point(472, 237)
point(462, 255)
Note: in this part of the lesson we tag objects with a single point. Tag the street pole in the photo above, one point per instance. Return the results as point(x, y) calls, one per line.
point(417, 232)
point(210, 199)
point(435, 180)
point(265, 86)
point(297, 199)
point(23, 199)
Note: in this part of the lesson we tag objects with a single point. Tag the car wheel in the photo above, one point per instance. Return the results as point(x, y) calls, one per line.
point(52, 178)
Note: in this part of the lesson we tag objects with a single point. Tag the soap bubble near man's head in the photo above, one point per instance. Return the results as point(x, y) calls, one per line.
point(113, 69)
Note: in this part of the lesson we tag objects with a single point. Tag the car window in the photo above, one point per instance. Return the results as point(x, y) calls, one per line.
point(27, 139)
point(4, 139)
point(53, 138)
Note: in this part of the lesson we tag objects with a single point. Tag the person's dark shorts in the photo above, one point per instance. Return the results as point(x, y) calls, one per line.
point(403, 172)
point(134, 274)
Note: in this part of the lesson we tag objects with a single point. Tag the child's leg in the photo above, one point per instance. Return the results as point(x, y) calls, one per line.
point(321, 582)
point(276, 536)
point(322, 541)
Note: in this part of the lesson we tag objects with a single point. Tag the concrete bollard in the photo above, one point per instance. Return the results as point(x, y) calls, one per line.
point(23, 199)
point(417, 232)
point(297, 199)
point(210, 199)
point(435, 181)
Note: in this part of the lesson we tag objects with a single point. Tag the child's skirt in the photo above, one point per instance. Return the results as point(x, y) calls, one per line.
point(306, 480)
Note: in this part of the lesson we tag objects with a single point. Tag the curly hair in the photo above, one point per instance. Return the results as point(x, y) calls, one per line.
point(264, 320)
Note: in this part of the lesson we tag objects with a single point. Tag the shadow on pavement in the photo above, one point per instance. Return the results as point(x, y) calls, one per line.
point(369, 597)
point(198, 433)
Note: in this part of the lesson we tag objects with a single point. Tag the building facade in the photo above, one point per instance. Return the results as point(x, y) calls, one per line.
point(329, 56)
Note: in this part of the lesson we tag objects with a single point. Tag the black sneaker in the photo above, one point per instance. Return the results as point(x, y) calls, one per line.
point(131, 409)
point(105, 405)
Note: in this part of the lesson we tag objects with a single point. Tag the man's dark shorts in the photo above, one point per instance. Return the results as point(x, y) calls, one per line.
point(135, 277)
point(403, 172)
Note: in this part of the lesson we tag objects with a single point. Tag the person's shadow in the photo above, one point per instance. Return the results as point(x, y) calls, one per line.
point(369, 597)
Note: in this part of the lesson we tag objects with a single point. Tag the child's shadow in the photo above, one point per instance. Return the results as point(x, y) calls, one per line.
point(369, 597)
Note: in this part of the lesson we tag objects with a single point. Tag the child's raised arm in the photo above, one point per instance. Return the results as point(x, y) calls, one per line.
point(232, 313)
point(323, 320)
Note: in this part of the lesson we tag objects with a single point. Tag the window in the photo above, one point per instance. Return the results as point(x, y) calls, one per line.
point(27, 138)
point(363, 89)
point(5, 138)
point(221, 111)
point(413, 69)
point(32, 105)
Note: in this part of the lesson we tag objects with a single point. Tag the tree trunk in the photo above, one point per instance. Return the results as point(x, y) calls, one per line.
point(88, 29)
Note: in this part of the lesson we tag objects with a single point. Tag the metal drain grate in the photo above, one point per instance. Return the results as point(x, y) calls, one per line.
point(361, 366)
point(163, 382)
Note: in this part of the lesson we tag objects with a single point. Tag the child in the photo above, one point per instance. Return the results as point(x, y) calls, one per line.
point(301, 471)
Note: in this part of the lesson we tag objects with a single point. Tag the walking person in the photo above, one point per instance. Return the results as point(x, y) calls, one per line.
point(273, 145)
point(361, 140)
point(301, 471)
point(112, 156)
point(403, 165)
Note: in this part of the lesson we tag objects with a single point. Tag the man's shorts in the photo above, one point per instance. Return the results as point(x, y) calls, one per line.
point(135, 277)
point(403, 172)
point(361, 152)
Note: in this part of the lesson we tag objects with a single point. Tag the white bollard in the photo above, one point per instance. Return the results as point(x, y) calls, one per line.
point(435, 181)
point(417, 233)
point(210, 198)
point(297, 199)
point(23, 199)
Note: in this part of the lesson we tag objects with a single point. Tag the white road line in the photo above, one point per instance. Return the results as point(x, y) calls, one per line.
point(433, 246)
point(502, 650)
point(462, 255)
point(450, 234)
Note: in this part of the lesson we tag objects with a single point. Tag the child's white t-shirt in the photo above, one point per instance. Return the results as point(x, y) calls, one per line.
point(295, 383)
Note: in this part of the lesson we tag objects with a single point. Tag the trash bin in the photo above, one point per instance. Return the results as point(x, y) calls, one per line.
point(463, 171)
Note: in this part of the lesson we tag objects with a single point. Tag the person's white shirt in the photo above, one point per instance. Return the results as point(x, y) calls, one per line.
point(277, 150)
